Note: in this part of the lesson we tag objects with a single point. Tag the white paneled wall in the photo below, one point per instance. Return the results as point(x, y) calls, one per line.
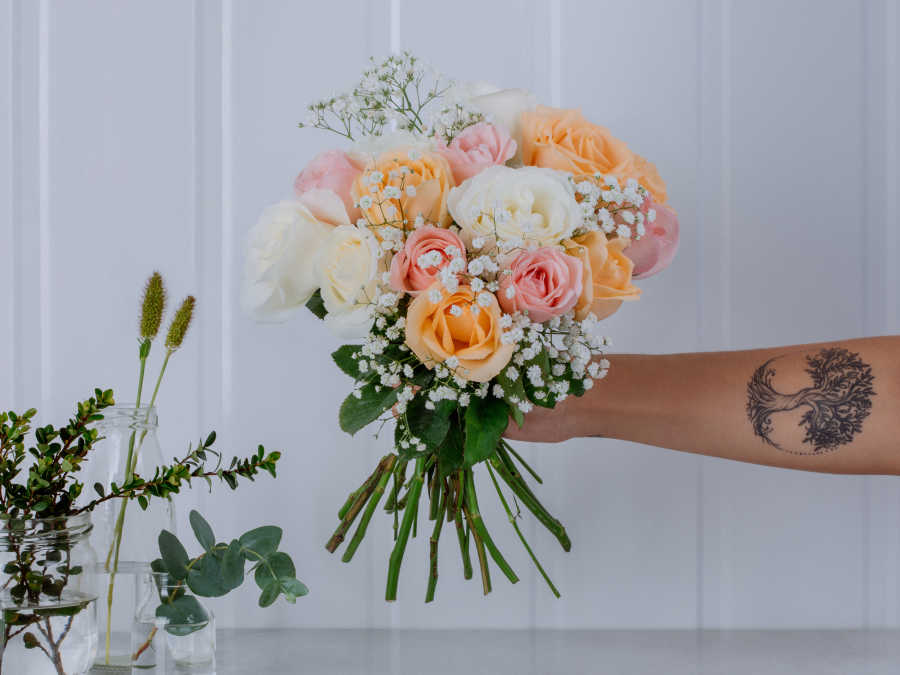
point(137, 135)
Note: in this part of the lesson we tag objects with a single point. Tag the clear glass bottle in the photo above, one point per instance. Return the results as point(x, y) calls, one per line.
point(47, 603)
point(129, 446)
point(185, 642)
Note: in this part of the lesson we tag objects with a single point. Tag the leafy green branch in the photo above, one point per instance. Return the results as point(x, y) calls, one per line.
point(197, 464)
point(218, 570)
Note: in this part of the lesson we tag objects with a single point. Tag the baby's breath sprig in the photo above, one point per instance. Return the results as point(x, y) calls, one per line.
point(401, 90)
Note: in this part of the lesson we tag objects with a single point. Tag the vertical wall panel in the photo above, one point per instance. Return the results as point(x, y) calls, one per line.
point(7, 205)
point(119, 197)
point(714, 274)
point(28, 44)
point(883, 504)
point(789, 548)
point(620, 573)
point(283, 389)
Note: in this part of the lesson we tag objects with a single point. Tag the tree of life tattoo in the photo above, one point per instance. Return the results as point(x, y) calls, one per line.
point(836, 404)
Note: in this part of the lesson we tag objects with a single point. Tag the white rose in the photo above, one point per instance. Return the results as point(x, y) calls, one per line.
point(280, 272)
point(464, 92)
point(540, 203)
point(350, 265)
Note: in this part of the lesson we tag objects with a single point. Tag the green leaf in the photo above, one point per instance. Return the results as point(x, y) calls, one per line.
point(31, 641)
point(233, 565)
point(185, 614)
point(451, 451)
point(429, 425)
point(486, 420)
point(293, 588)
point(205, 578)
point(173, 554)
point(261, 540)
point(210, 439)
point(316, 305)
point(143, 502)
point(357, 413)
point(343, 357)
point(277, 566)
point(202, 530)
point(269, 593)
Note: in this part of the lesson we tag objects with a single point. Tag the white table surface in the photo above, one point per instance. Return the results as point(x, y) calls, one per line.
point(276, 652)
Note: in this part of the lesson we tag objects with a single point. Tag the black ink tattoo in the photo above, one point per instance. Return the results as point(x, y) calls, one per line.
point(837, 402)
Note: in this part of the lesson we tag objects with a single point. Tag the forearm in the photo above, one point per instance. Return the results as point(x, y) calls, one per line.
point(760, 406)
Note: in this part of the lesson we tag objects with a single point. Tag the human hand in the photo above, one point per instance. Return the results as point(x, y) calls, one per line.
point(546, 425)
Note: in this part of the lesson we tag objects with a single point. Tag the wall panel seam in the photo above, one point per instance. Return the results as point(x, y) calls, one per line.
point(227, 244)
point(15, 204)
point(45, 249)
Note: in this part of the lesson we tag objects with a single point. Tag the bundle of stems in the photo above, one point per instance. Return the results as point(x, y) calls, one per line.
point(452, 499)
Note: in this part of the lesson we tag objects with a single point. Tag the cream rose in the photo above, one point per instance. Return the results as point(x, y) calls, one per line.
point(280, 273)
point(540, 203)
point(349, 266)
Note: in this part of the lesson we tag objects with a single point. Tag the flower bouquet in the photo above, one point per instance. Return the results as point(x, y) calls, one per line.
point(468, 243)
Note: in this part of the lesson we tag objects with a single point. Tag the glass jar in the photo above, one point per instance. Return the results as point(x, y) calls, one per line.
point(125, 536)
point(173, 631)
point(47, 603)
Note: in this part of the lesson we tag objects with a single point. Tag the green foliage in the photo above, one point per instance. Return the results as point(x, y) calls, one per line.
point(50, 487)
point(486, 420)
point(347, 359)
point(220, 569)
point(316, 305)
point(358, 412)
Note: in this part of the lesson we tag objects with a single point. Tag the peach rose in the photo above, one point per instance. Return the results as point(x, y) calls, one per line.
point(565, 140)
point(653, 252)
point(406, 273)
point(456, 326)
point(426, 181)
point(545, 282)
point(476, 148)
point(610, 271)
point(333, 170)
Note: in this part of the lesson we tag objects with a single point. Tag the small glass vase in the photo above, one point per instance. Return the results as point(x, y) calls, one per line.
point(129, 446)
point(47, 603)
point(164, 641)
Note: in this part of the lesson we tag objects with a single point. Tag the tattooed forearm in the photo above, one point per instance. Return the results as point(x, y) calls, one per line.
point(834, 407)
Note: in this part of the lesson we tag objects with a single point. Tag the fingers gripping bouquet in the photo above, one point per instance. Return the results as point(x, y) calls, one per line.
point(469, 242)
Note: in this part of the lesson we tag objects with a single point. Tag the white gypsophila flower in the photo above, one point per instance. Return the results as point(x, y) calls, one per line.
point(534, 204)
point(464, 400)
point(624, 231)
point(455, 310)
point(280, 272)
point(512, 373)
point(434, 296)
point(485, 299)
point(497, 391)
point(349, 268)
point(477, 284)
point(452, 361)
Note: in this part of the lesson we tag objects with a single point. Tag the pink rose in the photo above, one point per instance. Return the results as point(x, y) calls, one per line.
point(653, 252)
point(333, 170)
point(546, 283)
point(476, 148)
point(406, 273)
